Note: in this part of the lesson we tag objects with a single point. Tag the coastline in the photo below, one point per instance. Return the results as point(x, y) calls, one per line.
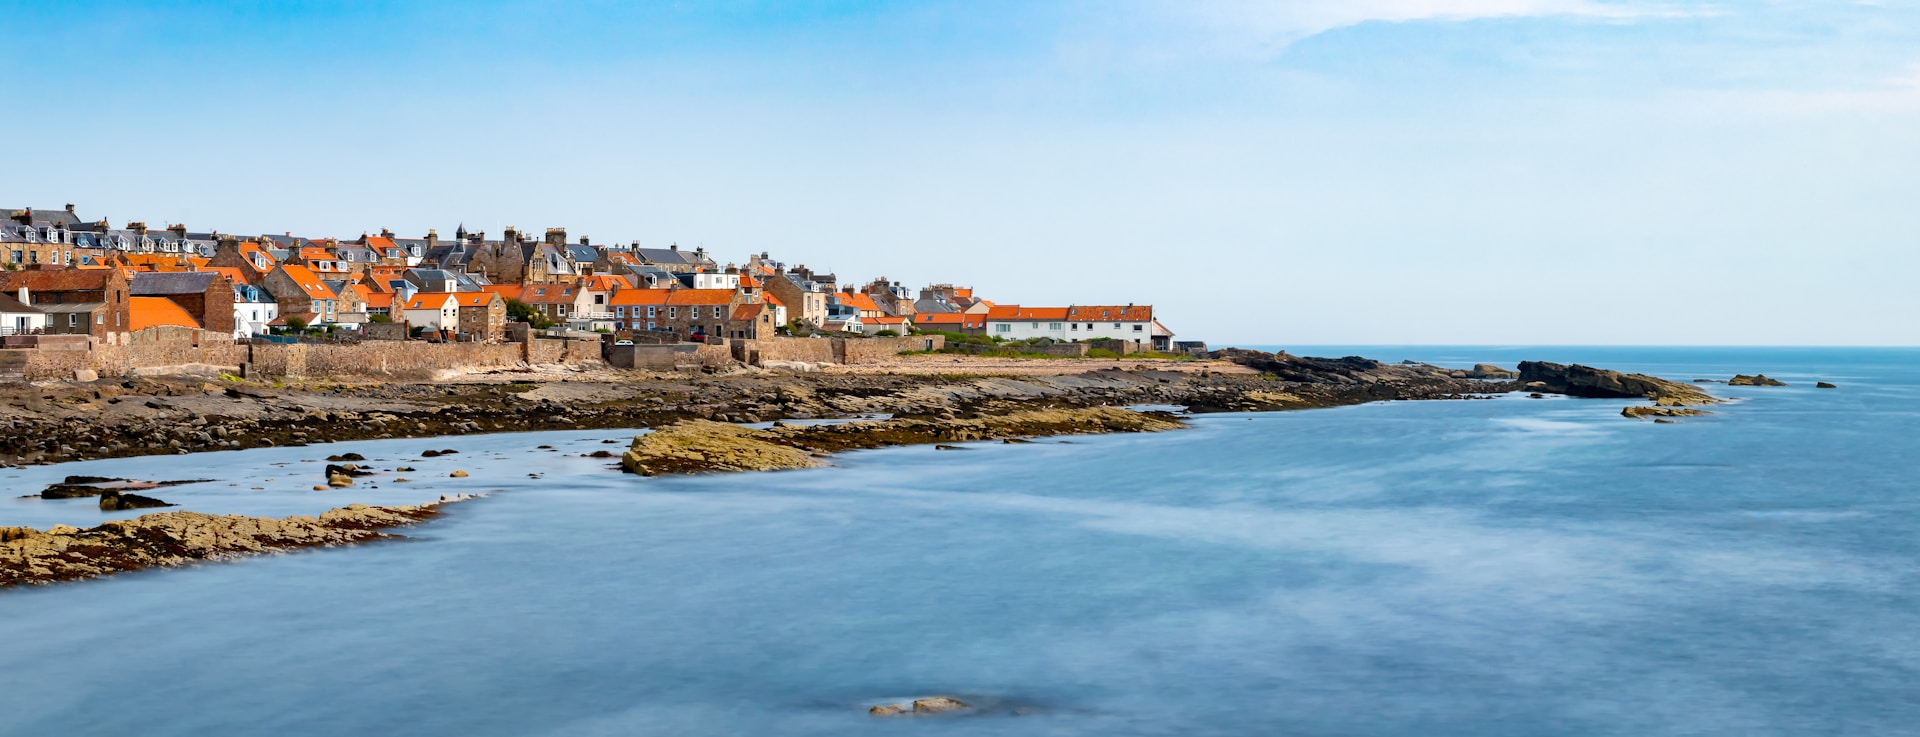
point(695, 433)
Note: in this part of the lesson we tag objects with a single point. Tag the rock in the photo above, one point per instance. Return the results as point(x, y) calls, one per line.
point(1754, 380)
point(319, 488)
point(86, 375)
point(347, 457)
point(429, 454)
point(1823, 385)
point(1639, 412)
point(1586, 381)
point(457, 474)
point(1490, 371)
point(115, 501)
point(948, 447)
point(938, 704)
point(402, 480)
point(600, 454)
point(339, 481)
point(887, 710)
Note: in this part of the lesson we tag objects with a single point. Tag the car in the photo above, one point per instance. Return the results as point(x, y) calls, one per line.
point(623, 342)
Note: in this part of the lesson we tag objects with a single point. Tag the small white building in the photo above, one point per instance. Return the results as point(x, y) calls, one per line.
point(1131, 323)
point(434, 311)
point(18, 317)
point(1013, 322)
point(253, 310)
point(708, 280)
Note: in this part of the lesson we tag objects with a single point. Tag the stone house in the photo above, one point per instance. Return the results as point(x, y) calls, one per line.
point(206, 295)
point(483, 315)
point(77, 301)
point(301, 293)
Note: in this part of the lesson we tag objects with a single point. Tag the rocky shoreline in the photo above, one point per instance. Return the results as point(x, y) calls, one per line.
point(171, 539)
point(698, 420)
point(56, 422)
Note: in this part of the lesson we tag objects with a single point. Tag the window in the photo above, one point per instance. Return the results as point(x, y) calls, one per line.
point(716, 313)
point(651, 311)
point(1076, 326)
point(1001, 327)
point(73, 319)
point(1116, 326)
point(1137, 328)
point(673, 312)
point(622, 311)
point(1053, 326)
point(651, 325)
point(100, 319)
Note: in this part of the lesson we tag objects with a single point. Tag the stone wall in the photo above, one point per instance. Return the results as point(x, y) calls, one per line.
point(810, 350)
point(875, 350)
point(382, 359)
point(166, 345)
point(562, 351)
point(1119, 347)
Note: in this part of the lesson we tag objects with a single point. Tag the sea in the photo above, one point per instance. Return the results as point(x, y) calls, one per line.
point(1509, 566)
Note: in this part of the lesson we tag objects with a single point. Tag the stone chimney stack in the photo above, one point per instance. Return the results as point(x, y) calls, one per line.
point(584, 241)
point(512, 235)
point(26, 298)
point(556, 236)
point(387, 234)
point(138, 228)
point(179, 230)
point(433, 238)
point(69, 208)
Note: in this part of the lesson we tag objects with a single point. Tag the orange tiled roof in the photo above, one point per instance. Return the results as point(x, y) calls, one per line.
point(769, 298)
point(604, 283)
point(884, 320)
point(380, 243)
point(749, 281)
point(305, 277)
point(700, 297)
point(639, 297)
point(382, 300)
point(147, 312)
point(748, 312)
point(1110, 313)
point(940, 318)
point(1016, 312)
point(506, 291)
point(476, 299)
point(858, 301)
point(430, 300)
point(549, 294)
point(316, 254)
point(966, 293)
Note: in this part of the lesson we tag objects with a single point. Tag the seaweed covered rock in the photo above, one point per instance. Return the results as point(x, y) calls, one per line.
point(704, 445)
point(1585, 381)
point(1754, 380)
point(114, 501)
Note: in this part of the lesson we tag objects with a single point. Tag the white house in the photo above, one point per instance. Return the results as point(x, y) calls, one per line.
point(1013, 322)
point(18, 317)
point(434, 311)
point(253, 309)
point(1131, 323)
point(708, 280)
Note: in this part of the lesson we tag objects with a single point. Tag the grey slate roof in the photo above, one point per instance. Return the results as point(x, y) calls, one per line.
point(155, 284)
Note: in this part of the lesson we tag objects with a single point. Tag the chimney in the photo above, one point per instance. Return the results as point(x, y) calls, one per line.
point(384, 233)
point(584, 241)
point(137, 227)
point(69, 208)
point(674, 247)
point(178, 229)
point(512, 235)
point(433, 239)
point(25, 298)
point(556, 236)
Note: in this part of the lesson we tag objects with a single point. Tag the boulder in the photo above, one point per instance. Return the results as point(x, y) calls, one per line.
point(1585, 381)
point(887, 710)
point(1490, 371)
point(1824, 385)
point(938, 704)
point(1754, 380)
point(115, 501)
point(86, 375)
point(339, 480)
point(1641, 412)
point(347, 457)
point(457, 474)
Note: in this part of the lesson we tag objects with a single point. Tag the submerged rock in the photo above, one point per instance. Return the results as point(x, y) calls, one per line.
point(1824, 385)
point(1641, 412)
point(457, 474)
point(167, 539)
point(1754, 380)
point(114, 501)
point(937, 704)
point(347, 457)
point(887, 710)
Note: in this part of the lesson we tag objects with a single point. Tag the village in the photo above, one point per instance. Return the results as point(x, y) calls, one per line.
point(86, 280)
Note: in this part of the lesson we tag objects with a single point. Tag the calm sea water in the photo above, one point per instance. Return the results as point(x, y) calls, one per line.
point(1506, 567)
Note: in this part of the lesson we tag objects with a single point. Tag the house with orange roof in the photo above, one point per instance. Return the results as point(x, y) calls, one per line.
point(559, 301)
point(859, 303)
point(1131, 323)
point(752, 321)
point(435, 311)
point(681, 311)
point(483, 315)
point(148, 312)
point(299, 291)
point(1014, 322)
point(952, 322)
point(899, 325)
point(249, 257)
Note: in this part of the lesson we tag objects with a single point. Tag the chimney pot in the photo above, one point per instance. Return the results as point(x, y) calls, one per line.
point(69, 207)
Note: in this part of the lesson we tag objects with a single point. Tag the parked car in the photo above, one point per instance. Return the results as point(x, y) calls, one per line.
point(623, 342)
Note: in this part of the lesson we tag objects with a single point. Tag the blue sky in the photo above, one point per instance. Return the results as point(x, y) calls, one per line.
point(1361, 171)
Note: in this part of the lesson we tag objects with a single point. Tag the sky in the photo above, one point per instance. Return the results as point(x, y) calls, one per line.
point(1510, 172)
